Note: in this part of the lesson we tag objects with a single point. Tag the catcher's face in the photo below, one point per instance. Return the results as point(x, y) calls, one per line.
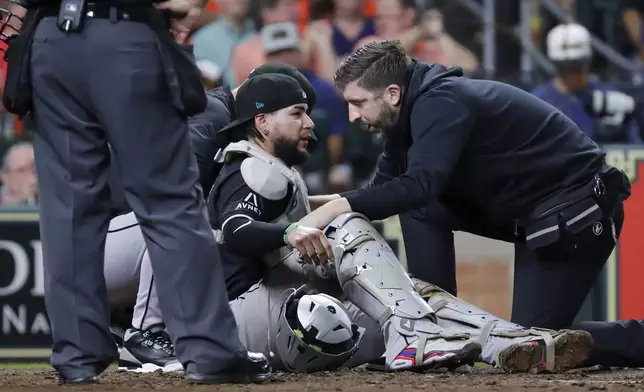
point(288, 131)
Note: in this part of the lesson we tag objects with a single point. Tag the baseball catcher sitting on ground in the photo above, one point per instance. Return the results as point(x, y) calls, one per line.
point(318, 300)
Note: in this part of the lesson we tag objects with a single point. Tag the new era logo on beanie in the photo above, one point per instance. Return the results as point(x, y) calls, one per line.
point(262, 94)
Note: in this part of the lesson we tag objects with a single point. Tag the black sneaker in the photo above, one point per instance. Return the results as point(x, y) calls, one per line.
point(146, 351)
point(253, 369)
point(79, 380)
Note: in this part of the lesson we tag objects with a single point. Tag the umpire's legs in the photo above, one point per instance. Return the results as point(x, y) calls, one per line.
point(159, 175)
point(551, 284)
point(71, 161)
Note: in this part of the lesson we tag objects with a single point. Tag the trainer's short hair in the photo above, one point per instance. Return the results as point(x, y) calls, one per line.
point(374, 66)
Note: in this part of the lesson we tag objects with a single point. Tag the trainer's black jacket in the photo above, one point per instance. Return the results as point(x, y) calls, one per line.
point(482, 145)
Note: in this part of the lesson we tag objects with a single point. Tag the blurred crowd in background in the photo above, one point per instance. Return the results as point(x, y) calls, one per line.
point(503, 39)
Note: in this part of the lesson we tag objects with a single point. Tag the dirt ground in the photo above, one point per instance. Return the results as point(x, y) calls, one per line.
point(356, 380)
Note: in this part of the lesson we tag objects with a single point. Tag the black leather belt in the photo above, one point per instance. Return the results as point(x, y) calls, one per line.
point(105, 10)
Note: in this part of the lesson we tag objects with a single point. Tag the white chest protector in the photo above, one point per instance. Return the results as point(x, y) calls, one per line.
point(270, 178)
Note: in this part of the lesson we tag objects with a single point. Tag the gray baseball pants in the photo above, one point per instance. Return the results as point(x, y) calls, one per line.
point(130, 282)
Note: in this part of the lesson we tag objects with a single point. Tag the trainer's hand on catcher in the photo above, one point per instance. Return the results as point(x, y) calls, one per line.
point(312, 244)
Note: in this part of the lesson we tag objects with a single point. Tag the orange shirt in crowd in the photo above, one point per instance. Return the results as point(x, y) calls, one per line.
point(212, 6)
point(369, 8)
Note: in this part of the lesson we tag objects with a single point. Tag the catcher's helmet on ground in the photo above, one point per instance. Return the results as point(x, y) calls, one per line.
point(315, 333)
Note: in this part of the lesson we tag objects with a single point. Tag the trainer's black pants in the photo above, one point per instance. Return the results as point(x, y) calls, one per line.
point(550, 285)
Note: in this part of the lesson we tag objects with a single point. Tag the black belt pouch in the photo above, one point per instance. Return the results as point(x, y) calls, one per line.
point(563, 217)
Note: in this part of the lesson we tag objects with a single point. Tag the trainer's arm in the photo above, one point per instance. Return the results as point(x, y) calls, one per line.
point(246, 220)
point(437, 142)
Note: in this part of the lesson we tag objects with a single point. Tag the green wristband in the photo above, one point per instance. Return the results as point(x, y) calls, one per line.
point(288, 230)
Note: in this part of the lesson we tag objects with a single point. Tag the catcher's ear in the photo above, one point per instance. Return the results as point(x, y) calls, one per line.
point(261, 124)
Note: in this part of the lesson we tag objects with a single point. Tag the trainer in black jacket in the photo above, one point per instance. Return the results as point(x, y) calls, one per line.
point(487, 158)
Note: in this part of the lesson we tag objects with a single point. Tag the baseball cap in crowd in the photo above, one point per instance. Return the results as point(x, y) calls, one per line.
point(279, 36)
point(276, 67)
point(263, 94)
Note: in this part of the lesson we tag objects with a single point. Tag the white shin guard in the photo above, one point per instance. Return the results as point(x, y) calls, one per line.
point(373, 279)
point(492, 332)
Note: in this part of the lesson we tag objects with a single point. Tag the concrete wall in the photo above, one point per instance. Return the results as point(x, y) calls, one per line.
point(484, 272)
